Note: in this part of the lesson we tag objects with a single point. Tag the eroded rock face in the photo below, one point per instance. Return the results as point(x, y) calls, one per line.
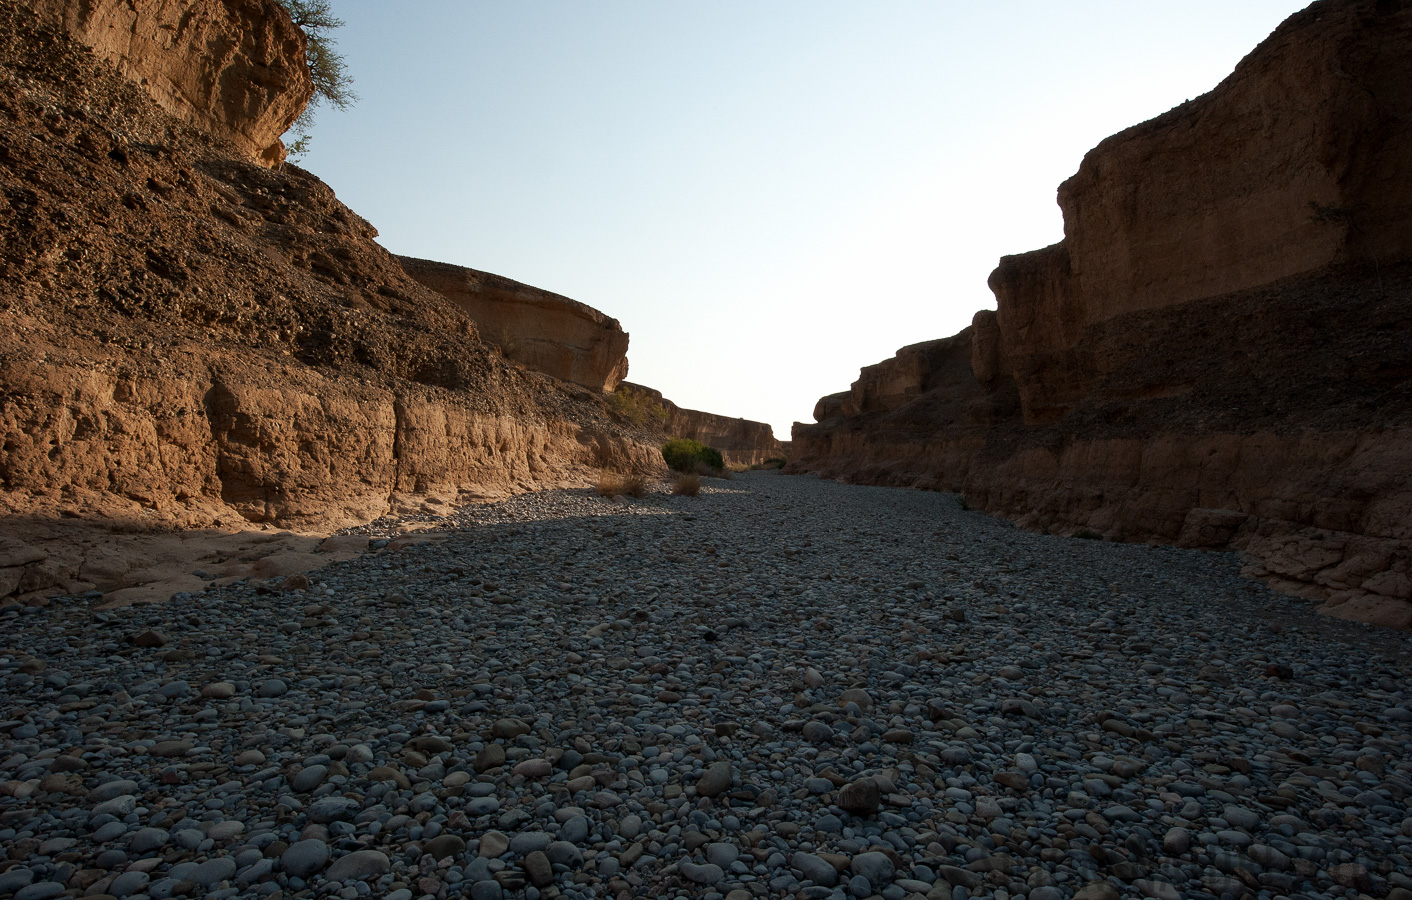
point(192, 340)
point(741, 441)
point(1215, 355)
point(233, 68)
point(547, 332)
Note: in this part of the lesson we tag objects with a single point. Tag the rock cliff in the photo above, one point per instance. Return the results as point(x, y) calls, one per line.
point(741, 441)
point(1215, 355)
point(233, 68)
point(546, 332)
point(190, 339)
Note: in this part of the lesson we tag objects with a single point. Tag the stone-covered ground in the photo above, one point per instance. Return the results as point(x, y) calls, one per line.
point(784, 688)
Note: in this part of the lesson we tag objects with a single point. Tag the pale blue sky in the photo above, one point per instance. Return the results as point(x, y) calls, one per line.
point(770, 194)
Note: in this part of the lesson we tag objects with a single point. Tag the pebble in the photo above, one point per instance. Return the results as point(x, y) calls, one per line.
point(814, 868)
point(785, 687)
point(876, 867)
point(359, 865)
point(305, 858)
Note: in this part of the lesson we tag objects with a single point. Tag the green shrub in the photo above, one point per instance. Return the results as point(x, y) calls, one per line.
point(332, 83)
point(683, 455)
point(1088, 534)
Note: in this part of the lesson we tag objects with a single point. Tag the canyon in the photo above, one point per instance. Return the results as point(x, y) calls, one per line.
point(197, 336)
point(1215, 355)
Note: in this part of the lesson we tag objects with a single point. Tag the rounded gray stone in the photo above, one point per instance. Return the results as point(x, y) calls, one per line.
point(305, 858)
point(875, 867)
point(527, 842)
point(213, 871)
point(814, 868)
point(359, 865)
point(710, 873)
point(563, 853)
point(128, 883)
point(575, 830)
point(148, 839)
point(716, 779)
point(487, 890)
point(309, 778)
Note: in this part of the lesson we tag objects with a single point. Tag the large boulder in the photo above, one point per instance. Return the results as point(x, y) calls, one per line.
point(234, 68)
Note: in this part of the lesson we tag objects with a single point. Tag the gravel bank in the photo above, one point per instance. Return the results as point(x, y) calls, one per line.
point(784, 688)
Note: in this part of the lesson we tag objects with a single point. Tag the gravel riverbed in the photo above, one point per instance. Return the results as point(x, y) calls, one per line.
point(783, 688)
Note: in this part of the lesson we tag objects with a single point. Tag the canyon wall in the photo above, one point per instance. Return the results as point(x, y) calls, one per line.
point(233, 68)
point(189, 339)
point(1300, 159)
point(1215, 355)
point(546, 332)
point(741, 441)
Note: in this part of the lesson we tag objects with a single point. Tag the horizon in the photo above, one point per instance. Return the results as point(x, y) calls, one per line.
point(767, 200)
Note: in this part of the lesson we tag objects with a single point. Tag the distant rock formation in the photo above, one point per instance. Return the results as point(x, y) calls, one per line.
point(233, 68)
point(741, 441)
point(1216, 354)
point(547, 332)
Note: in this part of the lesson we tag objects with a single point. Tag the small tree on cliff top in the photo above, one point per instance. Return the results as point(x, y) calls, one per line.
point(332, 83)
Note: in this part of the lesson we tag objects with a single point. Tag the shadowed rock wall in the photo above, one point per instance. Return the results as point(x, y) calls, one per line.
point(1215, 355)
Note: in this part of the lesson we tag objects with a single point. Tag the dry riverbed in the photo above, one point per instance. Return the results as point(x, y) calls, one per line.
point(783, 688)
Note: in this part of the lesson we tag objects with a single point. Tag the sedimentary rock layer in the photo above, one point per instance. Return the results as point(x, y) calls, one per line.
point(1216, 353)
point(547, 332)
point(233, 68)
point(741, 441)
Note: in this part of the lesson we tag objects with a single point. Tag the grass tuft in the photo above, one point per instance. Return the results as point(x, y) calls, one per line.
point(687, 485)
point(611, 484)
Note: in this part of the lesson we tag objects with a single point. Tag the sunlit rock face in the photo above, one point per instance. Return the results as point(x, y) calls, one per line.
point(544, 331)
point(234, 68)
point(1215, 355)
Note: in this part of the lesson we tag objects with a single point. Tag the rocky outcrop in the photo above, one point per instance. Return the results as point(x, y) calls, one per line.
point(546, 332)
point(188, 339)
point(1215, 355)
point(232, 68)
point(741, 441)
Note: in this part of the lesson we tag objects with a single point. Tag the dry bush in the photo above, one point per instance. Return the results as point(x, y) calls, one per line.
point(709, 471)
point(687, 485)
point(611, 484)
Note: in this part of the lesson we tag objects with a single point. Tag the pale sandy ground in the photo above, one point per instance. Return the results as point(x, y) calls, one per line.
point(151, 567)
